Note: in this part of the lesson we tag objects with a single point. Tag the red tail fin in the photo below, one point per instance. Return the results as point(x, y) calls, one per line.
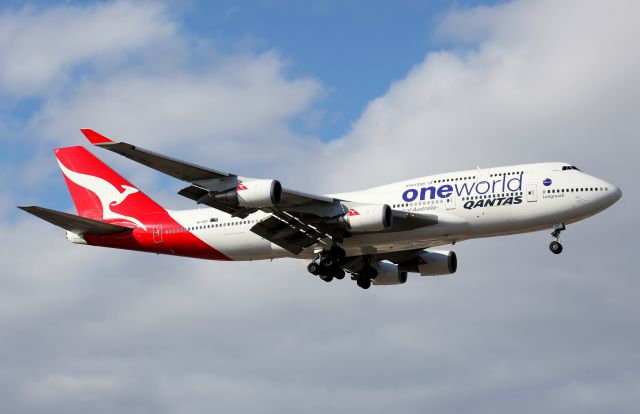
point(100, 193)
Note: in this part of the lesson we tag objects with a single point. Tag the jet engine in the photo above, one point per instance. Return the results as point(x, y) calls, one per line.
point(367, 218)
point(432, 263)
point(388, 274)
point(253, 194)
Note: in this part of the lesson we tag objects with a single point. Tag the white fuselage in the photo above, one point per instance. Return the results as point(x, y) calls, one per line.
point(468, 204)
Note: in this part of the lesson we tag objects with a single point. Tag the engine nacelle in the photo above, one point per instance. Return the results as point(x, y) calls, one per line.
point(75, 238)
point(388, 274)
point(432, 263)
point(253, 194)
point(368, 218)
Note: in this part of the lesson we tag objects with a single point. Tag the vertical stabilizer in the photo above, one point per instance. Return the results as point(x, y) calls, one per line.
point(100, 193)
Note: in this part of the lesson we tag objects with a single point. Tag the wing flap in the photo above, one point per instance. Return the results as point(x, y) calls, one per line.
point(75, 224)
point(287, 233)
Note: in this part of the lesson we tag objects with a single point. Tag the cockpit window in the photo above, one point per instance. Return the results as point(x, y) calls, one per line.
point(570, 167)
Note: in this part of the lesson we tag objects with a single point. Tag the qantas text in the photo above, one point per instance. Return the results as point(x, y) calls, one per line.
point(490, 202)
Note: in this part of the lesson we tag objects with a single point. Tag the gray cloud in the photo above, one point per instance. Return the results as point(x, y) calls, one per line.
point(516, 329)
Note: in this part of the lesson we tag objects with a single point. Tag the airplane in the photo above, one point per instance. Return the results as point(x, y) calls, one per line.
point(378, 235)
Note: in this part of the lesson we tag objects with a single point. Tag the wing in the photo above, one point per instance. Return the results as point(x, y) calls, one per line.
point(75, 224)
point(204, 180)
point(298, 221)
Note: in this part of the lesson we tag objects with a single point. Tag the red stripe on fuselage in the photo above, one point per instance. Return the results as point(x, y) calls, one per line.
point(182, 243)
point(100, 193)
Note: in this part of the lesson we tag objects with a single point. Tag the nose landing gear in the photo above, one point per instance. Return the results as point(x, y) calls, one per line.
point(555, 246)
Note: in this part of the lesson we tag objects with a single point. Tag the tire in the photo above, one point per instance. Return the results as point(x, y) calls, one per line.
point(326, 278)
point(314, 268)
point(369, 272)
point(555, 247)
point(364, 282)
point(338, 273)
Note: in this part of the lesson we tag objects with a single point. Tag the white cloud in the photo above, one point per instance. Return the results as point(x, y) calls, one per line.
point(240, 105)
point(41, 48)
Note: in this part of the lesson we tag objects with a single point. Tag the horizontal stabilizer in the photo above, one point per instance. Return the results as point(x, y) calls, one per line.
point(75, 224)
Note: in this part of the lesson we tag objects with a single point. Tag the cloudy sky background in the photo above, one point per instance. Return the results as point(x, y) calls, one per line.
point(325, 97)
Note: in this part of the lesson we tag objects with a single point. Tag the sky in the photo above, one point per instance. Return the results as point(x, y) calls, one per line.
point(326, 97)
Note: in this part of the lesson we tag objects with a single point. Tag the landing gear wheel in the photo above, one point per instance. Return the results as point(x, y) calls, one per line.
point(555, 247)
point(326, 278)
point(338, 273)
point(314, 268)
point(368, 272)
point(364, 282)
point(327, 264)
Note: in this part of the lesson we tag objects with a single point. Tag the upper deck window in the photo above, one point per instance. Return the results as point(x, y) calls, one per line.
point(570, 167)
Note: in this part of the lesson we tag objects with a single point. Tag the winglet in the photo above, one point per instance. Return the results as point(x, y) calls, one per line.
point(94, 137)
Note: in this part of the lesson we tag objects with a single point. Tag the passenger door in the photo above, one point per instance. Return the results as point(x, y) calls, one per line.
point(532, 194)
point(157, 233)
point(450, 202)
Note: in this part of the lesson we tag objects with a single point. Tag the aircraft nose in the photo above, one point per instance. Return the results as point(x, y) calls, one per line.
point(617, 193)
point(613, 194)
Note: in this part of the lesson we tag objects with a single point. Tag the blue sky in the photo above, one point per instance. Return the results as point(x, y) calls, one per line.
point(356, 49)
point(325, 97)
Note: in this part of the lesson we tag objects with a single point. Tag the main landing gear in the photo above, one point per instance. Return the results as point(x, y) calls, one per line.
point(555, 246)
point(329, 265)
point(364, 277)
point(326, 264)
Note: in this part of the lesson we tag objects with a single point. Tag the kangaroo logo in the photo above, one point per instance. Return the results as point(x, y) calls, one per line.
point(105, 191)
